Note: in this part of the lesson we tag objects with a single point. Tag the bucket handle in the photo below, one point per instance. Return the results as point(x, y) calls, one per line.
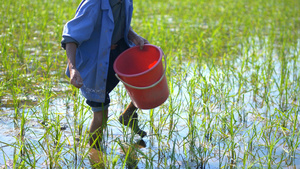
point(146, 87)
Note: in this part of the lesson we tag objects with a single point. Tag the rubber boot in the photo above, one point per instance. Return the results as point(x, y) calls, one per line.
point(130, 118)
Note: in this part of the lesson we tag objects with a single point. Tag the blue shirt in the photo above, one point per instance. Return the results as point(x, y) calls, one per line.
point(91, 29)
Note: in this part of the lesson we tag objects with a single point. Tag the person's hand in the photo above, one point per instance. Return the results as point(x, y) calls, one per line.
point(136, 39)
point(75, 78)
point(139, 41)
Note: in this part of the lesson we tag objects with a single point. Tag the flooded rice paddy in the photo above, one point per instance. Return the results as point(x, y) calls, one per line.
point(228, 124)
point(233, 76)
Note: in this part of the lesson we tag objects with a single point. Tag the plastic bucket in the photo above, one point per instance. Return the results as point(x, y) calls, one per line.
point(143, 75)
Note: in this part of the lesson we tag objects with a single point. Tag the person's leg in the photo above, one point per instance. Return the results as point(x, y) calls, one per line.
point(130, 118)
point(97, 126)
point(99, 121)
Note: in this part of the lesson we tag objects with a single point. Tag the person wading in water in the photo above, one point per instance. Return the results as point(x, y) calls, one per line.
point(93, 39)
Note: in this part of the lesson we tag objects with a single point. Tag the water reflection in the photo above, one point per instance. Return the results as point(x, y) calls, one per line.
point(129, 155)
point(96, 158)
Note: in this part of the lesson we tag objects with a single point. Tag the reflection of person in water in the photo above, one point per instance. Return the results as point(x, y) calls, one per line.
point(97, 158)
point(129, 150)
point(93, 39)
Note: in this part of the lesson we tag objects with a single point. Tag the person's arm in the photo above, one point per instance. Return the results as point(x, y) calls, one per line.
point(137, 39)
point(75, 78)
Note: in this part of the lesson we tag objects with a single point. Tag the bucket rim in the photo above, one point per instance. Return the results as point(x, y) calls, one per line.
point(142, 73)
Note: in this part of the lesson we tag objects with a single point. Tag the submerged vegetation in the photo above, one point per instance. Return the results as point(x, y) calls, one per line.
point(233, 75)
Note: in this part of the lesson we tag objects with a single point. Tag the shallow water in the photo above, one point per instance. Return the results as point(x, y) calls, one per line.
point(205, 129)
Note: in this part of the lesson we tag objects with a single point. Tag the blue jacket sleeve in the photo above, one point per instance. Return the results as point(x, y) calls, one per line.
point(80, 28)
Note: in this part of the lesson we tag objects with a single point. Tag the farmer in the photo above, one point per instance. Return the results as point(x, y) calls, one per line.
point(93, 39)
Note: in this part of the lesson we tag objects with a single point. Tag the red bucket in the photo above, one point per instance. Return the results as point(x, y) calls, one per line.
point(143, 75)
